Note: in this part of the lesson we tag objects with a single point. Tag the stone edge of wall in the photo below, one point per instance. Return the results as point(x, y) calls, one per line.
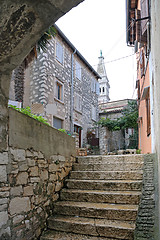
point(27, 133)
point(145, 222)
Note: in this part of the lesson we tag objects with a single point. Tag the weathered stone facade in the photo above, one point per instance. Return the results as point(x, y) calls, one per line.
point(66, 85)
point(32, 171)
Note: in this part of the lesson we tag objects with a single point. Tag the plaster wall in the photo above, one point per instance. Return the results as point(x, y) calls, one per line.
point(155, 51)
point(144, 140)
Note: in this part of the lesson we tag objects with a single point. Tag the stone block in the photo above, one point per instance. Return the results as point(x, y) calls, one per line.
point(4, 158)
point(3, 173)
point(53, 177)
point(19, 154)
point(28, 191)
point(34, 171)
point(44, 175)
point(23, 167)
point(3, 207)
point(22, 178)
point(3, 218)
point(35, 179)
point(3, 201)
point(40, 155)
point(29, 153)
point(16, 191)
point(53, 167)
point(30, 162)
point(19, 205)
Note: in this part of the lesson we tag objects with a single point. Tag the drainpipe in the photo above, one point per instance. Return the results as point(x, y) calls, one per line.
point(72, 102)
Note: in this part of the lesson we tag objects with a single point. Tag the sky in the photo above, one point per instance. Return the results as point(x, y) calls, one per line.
point(96, 25)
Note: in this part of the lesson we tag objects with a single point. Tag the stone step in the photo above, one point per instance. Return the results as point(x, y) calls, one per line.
point(111, 159)
point(55, 235)
point(94, 227)
point(116, 166)
point(96, 210)
point(102, 175)
point(120, 197)
point(113, 185)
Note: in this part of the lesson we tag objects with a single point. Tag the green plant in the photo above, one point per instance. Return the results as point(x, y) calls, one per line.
point(27, 111)
point(128, 119)
point(62, 130)
point(138, 151)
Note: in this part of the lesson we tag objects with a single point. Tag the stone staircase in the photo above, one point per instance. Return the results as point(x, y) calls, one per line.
point(100, 200)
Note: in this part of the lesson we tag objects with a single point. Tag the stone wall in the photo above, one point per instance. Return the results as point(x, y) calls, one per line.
point(145, 222)
point(110, 141)
point(32, 171)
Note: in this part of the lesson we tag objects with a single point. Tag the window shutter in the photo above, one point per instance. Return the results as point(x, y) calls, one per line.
point(78, 70)
point(138, 25)
point(97, 88)
point(59, 52)
point(142, 64)
point(144, 13)
point(93, 113)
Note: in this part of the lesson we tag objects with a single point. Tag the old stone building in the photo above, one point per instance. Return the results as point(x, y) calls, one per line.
point(65, 85)
point(112, 141)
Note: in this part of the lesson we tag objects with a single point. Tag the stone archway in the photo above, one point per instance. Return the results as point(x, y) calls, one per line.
point(22, 23)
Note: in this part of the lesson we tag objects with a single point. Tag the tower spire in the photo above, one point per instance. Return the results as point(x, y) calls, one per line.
point(103, 82)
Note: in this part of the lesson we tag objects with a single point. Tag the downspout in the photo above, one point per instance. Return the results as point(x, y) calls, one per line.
point(72, 102)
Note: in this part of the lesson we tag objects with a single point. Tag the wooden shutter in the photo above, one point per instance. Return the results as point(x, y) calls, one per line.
point(59, 52)
point(148, 114)
point(142, 63)
point(144, 13)
point(138, 25)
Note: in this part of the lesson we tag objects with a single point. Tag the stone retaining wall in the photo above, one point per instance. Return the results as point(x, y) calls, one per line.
point(145, 222)
point(31, 177)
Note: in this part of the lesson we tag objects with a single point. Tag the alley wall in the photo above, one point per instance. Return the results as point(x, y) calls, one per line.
point(32, 171)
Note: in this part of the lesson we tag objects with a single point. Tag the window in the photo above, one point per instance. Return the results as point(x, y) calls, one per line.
point(78, 70)
point(93, 113)
point(100, 90)
point(78, 103)
point(59, 90)
point(146, 97)
point(59, 52)
point(57, 123)
point(148, 114)
point(103, 89)
point(97, 88)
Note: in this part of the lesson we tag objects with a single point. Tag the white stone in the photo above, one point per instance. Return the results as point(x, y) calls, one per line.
point(22, 178)
point(28, 191)
point(3, 200)
point(16, 191)
point(3, 173)
point(19, 205)
point(3, 218)
point(4, 158)
point(30, 162)
point(3, 207)
point(19, 154)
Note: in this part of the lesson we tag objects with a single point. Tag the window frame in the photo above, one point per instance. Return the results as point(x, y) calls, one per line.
point(78, 102)
point(59, 86)
point(78, 70)
point(60, 59)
